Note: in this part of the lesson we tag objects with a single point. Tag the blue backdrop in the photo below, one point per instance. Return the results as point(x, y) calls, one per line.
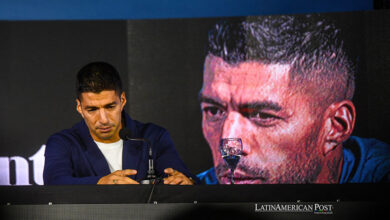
point(141, 9)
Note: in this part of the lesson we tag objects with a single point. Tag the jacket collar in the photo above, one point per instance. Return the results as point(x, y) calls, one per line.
point(92, 152)
point(132, 150)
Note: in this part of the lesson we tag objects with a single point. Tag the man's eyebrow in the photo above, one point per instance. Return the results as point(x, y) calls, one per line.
point(110, 104)
point(90, 106)
point(209, 100)
point(266, 105)
point(95, 107)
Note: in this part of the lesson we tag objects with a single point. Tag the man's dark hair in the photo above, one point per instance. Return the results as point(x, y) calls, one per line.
point(308, 44)
point(96, 77)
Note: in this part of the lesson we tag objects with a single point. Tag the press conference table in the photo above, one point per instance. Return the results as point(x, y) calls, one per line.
point(194, 202)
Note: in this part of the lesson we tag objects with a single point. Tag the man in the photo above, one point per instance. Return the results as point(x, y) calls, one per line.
point(91, 152)
point(284, 86)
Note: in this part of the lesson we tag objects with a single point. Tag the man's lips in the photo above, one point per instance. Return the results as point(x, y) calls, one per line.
point(242, 178)
point(104, 129)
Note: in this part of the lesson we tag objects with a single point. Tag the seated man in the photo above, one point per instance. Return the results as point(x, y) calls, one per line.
point(284, 85)
point(91, 152)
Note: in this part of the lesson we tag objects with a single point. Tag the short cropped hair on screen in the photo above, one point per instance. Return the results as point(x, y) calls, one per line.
point(310, 45)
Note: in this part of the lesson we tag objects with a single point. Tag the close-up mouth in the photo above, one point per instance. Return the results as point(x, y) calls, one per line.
point(104, 129)
point(242, 179)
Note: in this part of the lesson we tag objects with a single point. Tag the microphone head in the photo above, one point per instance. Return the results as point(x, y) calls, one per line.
point(125, 133)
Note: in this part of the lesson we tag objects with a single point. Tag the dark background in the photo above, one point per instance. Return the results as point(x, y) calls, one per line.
point(165, 76)
point(161, 63)
point(39, 61)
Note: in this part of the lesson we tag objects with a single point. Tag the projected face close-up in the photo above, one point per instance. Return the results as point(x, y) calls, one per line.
point(253, 101)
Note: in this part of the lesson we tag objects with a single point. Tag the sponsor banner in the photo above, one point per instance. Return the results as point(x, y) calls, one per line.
point(16, 170)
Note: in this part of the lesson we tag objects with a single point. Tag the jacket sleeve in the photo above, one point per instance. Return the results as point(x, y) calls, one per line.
point(58, 169)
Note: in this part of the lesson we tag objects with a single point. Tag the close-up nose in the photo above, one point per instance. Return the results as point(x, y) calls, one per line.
point(103, 119)
point(235, 127)
point(232, 127)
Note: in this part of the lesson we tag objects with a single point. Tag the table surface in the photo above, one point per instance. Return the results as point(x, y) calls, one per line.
point(126, 194)
point(346, 201)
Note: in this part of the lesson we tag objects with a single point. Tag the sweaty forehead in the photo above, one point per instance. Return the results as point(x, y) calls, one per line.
point(245, 82)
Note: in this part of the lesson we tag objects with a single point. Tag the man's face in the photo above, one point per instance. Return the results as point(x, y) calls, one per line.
point(102, 114)
point(253, 101)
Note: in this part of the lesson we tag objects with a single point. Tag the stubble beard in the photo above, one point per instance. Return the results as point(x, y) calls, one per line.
point(301, 167)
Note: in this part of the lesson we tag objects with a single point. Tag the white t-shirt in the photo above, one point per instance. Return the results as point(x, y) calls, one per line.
point(113, 154)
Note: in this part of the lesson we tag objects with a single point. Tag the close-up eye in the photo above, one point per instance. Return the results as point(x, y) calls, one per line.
point(262, 118)
point(213, 113)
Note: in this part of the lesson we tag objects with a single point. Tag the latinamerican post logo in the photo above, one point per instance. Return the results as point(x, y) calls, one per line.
point(315, 208)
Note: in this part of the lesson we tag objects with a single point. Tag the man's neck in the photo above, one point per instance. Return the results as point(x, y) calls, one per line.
point(332, 167)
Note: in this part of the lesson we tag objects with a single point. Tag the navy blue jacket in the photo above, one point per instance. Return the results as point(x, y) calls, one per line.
point(72, 157)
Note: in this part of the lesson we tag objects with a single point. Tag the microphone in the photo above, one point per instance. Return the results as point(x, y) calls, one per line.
point(125, 134)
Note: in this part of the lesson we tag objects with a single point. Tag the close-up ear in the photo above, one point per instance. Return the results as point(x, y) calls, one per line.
point(341, 122)
point(123, 100)
point(78, 107)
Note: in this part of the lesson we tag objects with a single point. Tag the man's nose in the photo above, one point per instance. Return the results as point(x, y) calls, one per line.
point(235, 126)
point(103, 119)
point(232, 127)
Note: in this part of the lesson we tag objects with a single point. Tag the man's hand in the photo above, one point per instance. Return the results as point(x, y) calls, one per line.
point(119, 177)
point(176, 178)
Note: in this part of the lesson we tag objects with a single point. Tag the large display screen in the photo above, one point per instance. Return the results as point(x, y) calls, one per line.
point(305, 96)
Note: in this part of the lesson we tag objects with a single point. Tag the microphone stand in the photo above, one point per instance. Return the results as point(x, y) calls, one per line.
point(151, 177)
point(151, 174)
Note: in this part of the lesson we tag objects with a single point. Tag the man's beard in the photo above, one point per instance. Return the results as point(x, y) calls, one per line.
point(292, 173)
point(301, 166)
